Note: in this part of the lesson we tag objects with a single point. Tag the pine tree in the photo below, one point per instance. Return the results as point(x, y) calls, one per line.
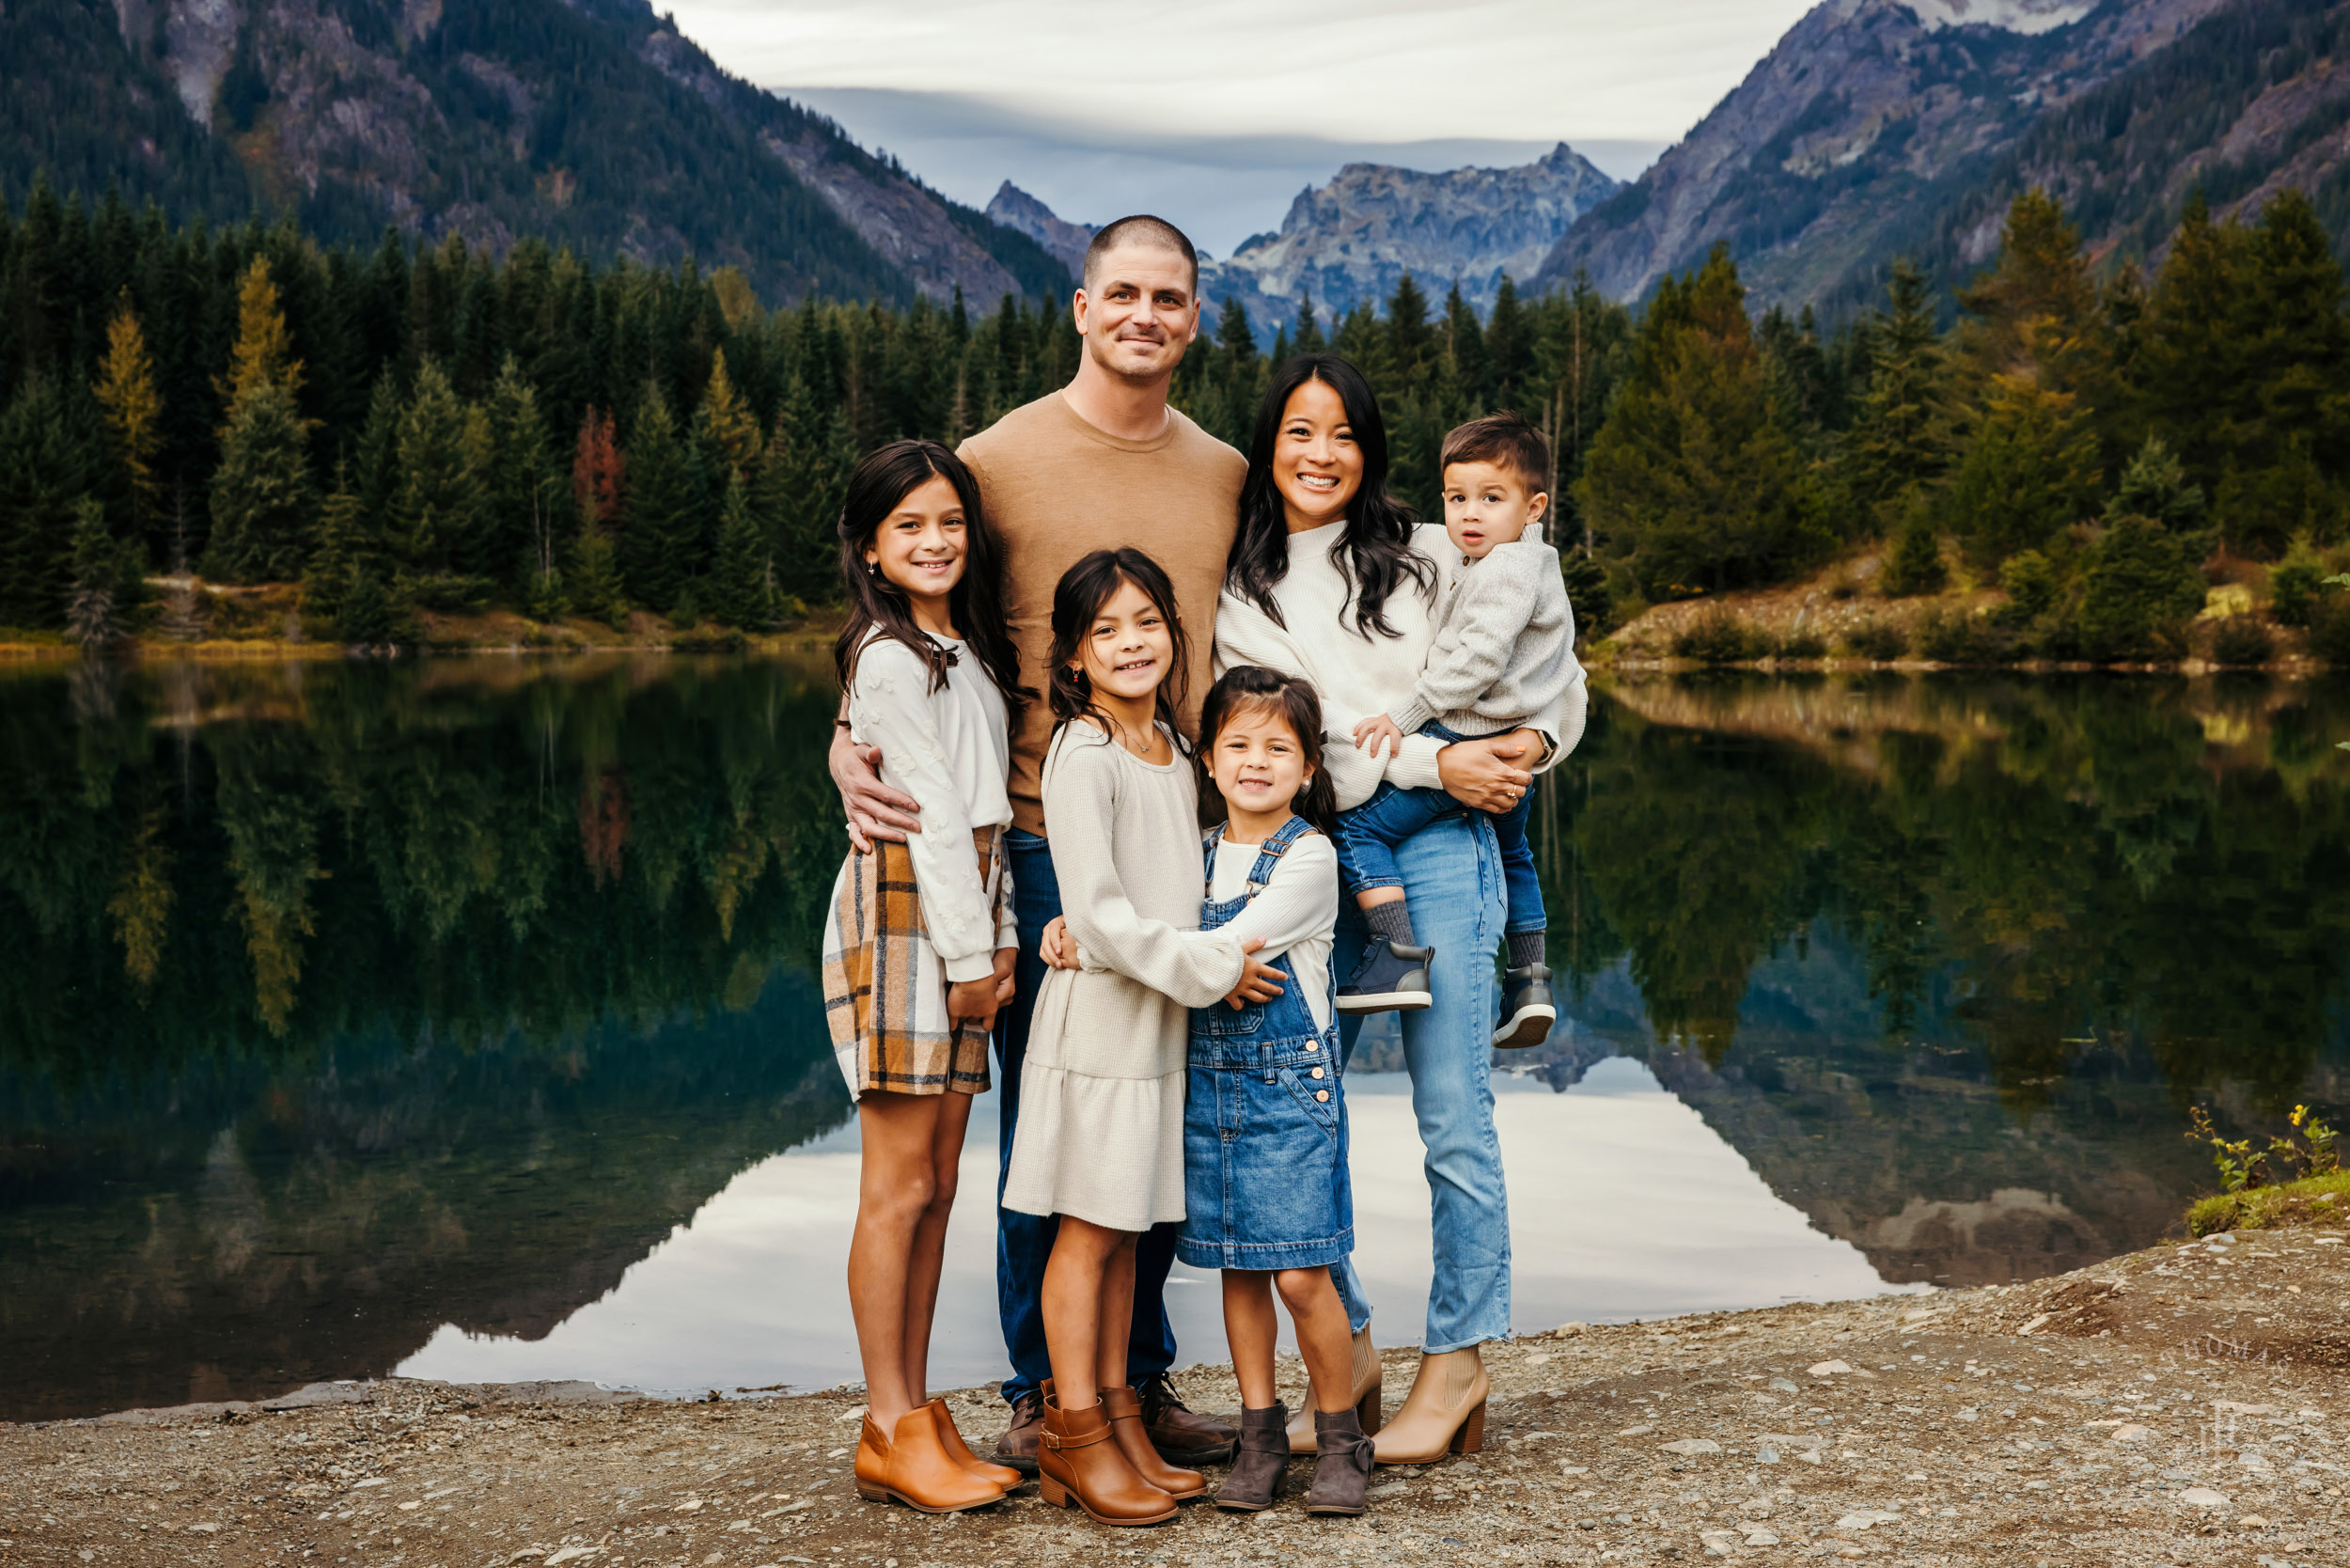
point(2191, 375)
point(261, 495)
point(522, 543)
point(1691, 478)
point(262, 503)
point(593, 583)
point(597, 472)
point(134, 406)
point(43, 471)
point(1308, 337)
point(1916, 564)
point(438, 510)
point(2029, 470)
point(2138, 585)
point(725, 429)
point(377, 479)
point(1411, 341)
point(2036, 311)
point(93, 619)
point(1901, 440)
point(339, 552)
point(1510, 347)
point(738, 593)
point(2154, 485)
point(660, 530)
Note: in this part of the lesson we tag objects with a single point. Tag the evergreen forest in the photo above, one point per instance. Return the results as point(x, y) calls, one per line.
point(429, 431)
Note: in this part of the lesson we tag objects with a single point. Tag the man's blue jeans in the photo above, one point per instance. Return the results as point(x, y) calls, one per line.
point(1453, 874)
point(1024, 1242)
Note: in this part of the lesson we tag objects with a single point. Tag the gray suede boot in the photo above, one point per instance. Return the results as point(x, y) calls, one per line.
point(1254, 1478)
point(1342, 1457)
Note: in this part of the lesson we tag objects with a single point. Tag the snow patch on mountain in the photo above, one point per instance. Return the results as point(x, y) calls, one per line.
point(2015, 16)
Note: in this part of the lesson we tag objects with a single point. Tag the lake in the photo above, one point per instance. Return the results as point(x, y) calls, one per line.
point(458, 1019)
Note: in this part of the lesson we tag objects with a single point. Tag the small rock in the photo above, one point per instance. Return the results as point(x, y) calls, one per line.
point(1785, 1386)
point(1720, 1543)
point(1766, 1455)
point(2130, 1432)
point(1574, 1469)
point(1389, 1489)
point(1692, 1446)
point(2251, 1521)
point(208, 1527)
point(1635, 1432)
point(1866, 1518)
point(411, 1505)
point(1828, 1369)
point(691, 1505)
point(1568, 1330)
point(1760, 1538)
point(2203, 1497)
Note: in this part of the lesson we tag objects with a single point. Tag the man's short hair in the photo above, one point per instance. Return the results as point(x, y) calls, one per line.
point(1506, 441)
point(1139, 229)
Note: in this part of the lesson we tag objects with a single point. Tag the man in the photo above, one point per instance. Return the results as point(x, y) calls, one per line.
point(1100, 464)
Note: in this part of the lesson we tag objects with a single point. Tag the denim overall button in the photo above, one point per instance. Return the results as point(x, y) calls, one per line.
point(1312, 1046)
point(1317, 1071)
point(1322, 1094)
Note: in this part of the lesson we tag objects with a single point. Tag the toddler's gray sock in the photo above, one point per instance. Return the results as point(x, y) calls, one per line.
point(1392, 921)
point(1526, 948)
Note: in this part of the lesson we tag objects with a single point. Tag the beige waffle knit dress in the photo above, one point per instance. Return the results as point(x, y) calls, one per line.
point(1100, 1121)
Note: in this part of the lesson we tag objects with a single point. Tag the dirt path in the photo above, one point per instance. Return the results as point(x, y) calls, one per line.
point(2184, 1406)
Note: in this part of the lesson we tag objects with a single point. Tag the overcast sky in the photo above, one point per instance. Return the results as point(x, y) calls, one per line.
point(1228, 106)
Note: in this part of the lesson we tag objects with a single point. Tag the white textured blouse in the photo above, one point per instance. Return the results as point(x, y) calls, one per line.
point(1297, 912)
point(1358, 677)
point(950, 749)
point(1101, 1125)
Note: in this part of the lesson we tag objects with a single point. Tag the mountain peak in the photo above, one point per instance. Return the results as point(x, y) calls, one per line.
point(2011, 16)
point(1016, 210)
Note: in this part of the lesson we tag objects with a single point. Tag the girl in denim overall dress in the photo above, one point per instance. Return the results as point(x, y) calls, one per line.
point(1266, 1197)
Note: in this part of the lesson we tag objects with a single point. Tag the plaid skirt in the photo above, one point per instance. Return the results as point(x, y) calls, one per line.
point(885, 986)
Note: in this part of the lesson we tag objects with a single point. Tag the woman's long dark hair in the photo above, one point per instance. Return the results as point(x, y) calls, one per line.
point(1375, 553)
point(886, 477)
point(1079, 598)
point(1252, 688)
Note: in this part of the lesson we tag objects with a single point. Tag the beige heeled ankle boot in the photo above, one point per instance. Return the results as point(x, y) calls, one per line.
point(1367, 1373)
point(1443, 1412)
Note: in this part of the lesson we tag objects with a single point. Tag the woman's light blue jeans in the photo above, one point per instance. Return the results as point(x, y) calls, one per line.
point(1453, 876)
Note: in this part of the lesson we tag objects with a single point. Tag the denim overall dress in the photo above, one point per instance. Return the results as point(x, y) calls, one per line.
point(1265, 1181)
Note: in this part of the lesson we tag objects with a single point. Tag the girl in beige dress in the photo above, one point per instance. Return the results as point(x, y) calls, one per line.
point(1098, 1141)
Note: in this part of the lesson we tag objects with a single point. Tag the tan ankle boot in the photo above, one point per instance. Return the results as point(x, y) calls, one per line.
point(1123, 1407)
point(1079, 1461)
point(1366, 1375)
point(995, 1475)
point(911, 1465)
point(1444, 1412)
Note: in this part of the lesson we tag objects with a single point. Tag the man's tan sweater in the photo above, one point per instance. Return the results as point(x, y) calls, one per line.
point(1056, 489)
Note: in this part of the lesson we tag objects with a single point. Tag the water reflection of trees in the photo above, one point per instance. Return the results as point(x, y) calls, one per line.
point(348, 1001)
point(2034, 867)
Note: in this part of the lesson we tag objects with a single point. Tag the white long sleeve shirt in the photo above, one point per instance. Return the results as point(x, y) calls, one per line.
point(951, 750)
point(1358, 677)
point(1297, 912)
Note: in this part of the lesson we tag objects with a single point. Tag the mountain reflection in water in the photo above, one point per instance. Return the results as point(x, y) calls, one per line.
point(346, 1002)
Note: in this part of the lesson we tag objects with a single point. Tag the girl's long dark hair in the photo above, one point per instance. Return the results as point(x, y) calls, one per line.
point(1252, 688)
point(1375, 553)
point(886, 477)
point(1079, 598)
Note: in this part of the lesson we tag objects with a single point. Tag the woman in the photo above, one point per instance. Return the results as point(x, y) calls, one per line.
point(1333, 580)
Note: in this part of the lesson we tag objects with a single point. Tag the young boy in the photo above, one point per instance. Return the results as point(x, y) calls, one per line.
point(1504, 652)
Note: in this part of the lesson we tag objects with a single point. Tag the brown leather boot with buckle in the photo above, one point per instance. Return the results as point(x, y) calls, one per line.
point(1078, 1461)
point(1017, 1445)
point(1123, 1407)
point(1181, 1436)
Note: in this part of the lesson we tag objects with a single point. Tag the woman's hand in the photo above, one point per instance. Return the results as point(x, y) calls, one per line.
point(973, 999)
point(1055, 947)
point(1258, 981)
point(1484, 775)
point(874, 810)
point(1005, 989)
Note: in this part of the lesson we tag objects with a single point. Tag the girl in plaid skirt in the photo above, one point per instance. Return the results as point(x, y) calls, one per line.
point(919, 941)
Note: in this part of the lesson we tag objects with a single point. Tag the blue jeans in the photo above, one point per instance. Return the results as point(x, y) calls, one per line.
point(1452, 873)
point(1024, 1242)
point(1369, 834)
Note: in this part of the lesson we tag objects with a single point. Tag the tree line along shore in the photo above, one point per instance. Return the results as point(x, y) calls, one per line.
point(237, 434)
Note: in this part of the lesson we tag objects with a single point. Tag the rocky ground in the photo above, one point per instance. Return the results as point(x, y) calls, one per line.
point(2184, 1406)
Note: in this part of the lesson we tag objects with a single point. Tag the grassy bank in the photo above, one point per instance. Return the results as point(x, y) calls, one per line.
point(2319, 1200)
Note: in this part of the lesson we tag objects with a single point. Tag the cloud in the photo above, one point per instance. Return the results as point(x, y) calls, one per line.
point(1347, 70)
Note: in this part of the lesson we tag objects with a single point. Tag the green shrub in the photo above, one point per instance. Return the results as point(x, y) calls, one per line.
point(1959, 638)
point(2242, 640)
point(1880, 640)
point(2296, 582)
point(2330, 630)
point(1716, 635)
point(1803, 643)
point(2031, 583)
point(1916, 566)
point(2138, 587)
point(449, 592)
point(1587, 593)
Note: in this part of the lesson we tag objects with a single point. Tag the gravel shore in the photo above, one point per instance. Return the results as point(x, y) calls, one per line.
point(2182, 1406)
